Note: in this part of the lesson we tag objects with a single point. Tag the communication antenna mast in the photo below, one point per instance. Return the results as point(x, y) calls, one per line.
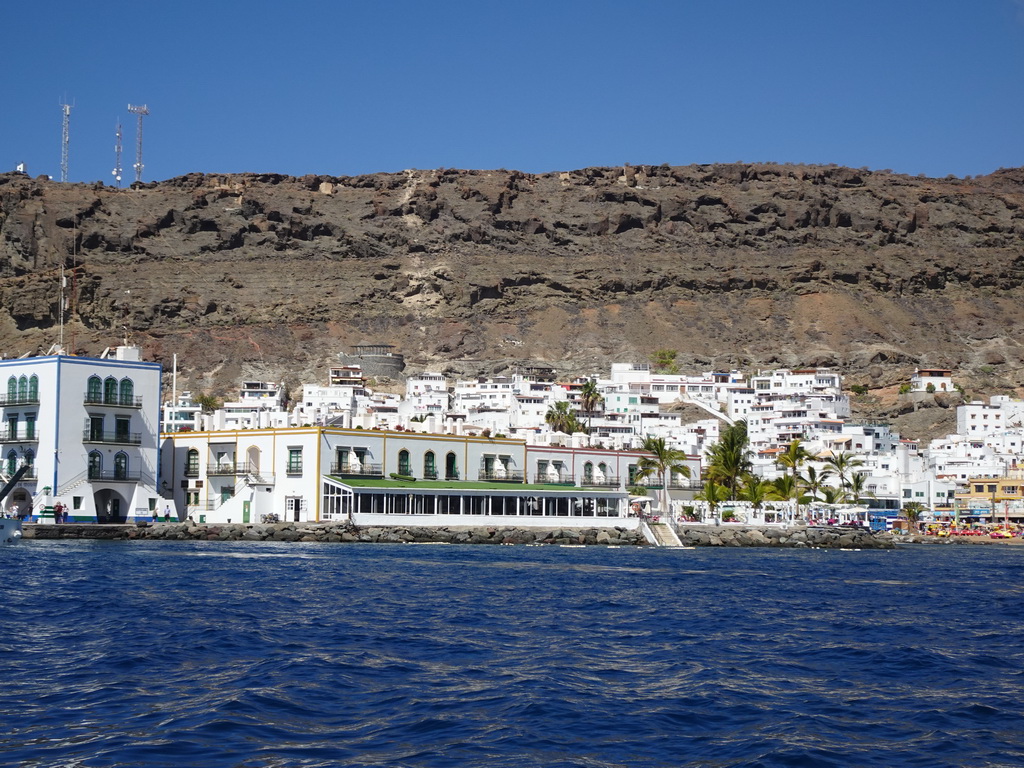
point(141, 111)
point(65, 137)
point(117, 156)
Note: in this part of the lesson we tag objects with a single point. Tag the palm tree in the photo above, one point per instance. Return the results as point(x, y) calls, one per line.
point(713, 493)
point(662, 462)
point(755, 490)
point(786, 488)
point(729, 458)
point(855, 491)
point(912, 511)
point(814, 481)
point(561, 418)
point(843, 462)
point(832, 495)
point(794, 457)
point(590, 399)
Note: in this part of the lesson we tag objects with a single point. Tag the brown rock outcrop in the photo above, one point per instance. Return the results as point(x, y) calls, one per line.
point(261, 275)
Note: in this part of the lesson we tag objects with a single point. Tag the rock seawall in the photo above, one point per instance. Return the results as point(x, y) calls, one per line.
point(338, 533)
point(798, 538)
point(690, 536)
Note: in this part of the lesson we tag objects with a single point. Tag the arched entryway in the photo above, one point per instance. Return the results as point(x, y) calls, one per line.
point(111, 506)
point(18, 504)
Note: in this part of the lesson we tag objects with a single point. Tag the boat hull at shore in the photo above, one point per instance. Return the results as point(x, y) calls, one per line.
point(10, 531)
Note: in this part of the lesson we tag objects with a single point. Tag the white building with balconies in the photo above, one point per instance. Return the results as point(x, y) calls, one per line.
point(86, 428)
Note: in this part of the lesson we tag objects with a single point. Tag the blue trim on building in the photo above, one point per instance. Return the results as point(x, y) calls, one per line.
point(56, 431)
point(70, 360)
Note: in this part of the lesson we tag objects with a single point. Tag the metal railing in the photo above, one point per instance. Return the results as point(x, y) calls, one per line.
point(19, 400)
point(117, 438)
point(29, 474)
point(124, 402)
point(364, 470)
point(114, 476)
point(228, 468)
point(508, 476)
point(600, 482)
point(544, 478)
point(19, 436)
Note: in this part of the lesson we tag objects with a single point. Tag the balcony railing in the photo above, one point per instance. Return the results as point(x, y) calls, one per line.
point(132, 401)
point(430, 474)
point(364, 470)
point(507, 476)
point(19, 436)
point(600, 482)
point(19, 400)
point(227, 468)
point(545, 478)
point(30, 474)
point(293, 469)
point(116, 438)
point(114, 476)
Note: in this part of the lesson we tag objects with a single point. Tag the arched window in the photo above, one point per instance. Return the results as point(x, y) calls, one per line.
point(252, 457)
point(110, 390)
point(95, 465)
point(12, 389)
point(127, 392)
point(94, 394)
point(192, 463)
point(12, 462)
point(33, 388)
point(121, 466)
point(23, 388)
point(30, 458)
point(588, 472)
point(429, 466)
point(403, 463)
point(451, 467)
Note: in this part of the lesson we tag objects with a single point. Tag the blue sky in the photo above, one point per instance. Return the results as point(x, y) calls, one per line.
point(345, 88)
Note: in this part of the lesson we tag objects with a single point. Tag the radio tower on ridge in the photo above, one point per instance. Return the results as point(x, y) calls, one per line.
point(141, 112)
point(65, 138)
point(117, 156)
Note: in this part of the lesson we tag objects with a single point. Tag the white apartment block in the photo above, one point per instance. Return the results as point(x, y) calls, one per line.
point(184, 415)
point(1000, 413)
point(785, 383)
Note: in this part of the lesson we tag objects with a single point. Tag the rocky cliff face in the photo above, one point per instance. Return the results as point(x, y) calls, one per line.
point(269, 276)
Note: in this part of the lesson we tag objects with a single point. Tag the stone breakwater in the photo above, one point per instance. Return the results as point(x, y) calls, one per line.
point(339, 533)
point(690, 536)
point(798, 537)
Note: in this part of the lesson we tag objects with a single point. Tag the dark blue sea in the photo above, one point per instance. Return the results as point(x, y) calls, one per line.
point(256, 654)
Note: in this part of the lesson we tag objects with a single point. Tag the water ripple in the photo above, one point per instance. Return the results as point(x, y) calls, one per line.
point(231, 654)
